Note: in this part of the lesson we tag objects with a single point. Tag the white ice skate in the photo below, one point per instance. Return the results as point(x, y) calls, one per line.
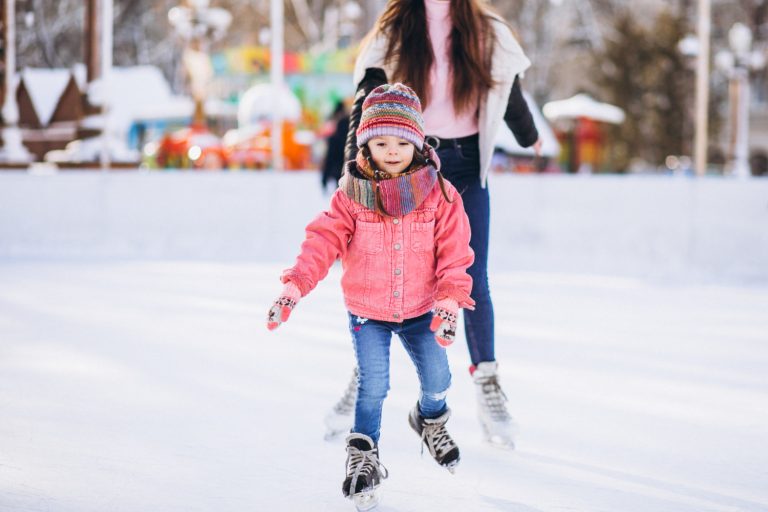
point(339, 420)
point(498, 427)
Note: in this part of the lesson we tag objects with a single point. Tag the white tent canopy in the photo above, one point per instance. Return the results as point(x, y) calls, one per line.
point(549, 145)
point(583, 105)
point(260, 102)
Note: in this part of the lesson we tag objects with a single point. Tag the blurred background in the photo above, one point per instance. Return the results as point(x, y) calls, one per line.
point(188, 84)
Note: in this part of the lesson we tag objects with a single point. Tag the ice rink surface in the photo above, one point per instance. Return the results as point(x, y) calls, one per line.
point(155, 386)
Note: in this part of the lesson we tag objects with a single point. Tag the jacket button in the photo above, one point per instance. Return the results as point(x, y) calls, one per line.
point(397, 247)
point(396, 315)
point(395, 221)
point(396, 294)
point(398, 271)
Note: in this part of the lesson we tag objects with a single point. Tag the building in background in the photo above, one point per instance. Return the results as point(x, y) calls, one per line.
point(564, 39)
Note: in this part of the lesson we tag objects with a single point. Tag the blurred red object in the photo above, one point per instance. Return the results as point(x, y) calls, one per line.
point(194, 147)
point(252, 149)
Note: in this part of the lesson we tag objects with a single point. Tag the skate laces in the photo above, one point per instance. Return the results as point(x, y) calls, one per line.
point(364, 462)
point(494, 398)
point(346, 403)
point(437, 439)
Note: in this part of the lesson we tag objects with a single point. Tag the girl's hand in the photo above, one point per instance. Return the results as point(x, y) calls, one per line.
point(283, 305)
point(537, 148)
point(444, 322)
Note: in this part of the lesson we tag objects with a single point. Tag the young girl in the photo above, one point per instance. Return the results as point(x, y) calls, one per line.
point(403, 239)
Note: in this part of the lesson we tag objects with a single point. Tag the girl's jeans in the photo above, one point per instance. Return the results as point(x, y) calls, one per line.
point(372, 339)
point(461, 166)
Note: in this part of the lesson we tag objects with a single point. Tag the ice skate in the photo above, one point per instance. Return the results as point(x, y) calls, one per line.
point(436, 438)
point(339, 420)
point(497, 424)
point(364, 472)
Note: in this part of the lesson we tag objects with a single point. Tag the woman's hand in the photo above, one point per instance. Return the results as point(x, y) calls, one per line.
point(537, 147)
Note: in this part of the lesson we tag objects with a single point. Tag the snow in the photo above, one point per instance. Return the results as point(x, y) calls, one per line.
point(583, 105)
point(257, 104)
point(138, 93)
point(45, 87)
point(146, 380)
point(90, 149)
point(80, 72)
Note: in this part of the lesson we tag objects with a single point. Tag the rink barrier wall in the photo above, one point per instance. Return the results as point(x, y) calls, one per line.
point(710, 229)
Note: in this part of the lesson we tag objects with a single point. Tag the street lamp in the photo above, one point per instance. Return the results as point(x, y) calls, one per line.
point(349, 19)
point(696, 46)
point(199, 25)
point(704, 25)
point(13, 150)
point(688, 47)
point(737, 63)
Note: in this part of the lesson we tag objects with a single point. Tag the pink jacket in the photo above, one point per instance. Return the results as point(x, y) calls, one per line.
point(394, 268)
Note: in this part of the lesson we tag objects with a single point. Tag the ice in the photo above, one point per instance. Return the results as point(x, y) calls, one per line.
point(152, 384)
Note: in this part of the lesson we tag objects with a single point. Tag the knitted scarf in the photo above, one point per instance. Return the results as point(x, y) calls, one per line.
point(400, 195)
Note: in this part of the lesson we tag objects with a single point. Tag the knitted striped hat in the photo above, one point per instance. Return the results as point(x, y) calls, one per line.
point(392, 110)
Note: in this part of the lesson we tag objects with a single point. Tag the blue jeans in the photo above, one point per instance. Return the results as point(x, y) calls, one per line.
point(461, 166)
point(372, 340)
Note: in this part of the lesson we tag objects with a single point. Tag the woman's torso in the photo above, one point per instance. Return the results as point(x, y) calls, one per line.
point(440, 117)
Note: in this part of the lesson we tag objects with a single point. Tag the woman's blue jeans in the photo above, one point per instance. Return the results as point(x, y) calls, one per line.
point(461, 166)
point(372, 341)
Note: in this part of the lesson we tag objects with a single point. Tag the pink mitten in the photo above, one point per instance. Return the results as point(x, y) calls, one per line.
point(444, 322)
point(282, 307)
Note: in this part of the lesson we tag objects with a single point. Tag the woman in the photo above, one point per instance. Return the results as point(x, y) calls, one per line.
point(466, 69)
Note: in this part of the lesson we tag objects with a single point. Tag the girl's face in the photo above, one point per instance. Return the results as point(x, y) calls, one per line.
point(391, 154)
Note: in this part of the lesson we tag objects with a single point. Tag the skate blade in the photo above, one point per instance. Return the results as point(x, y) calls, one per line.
point(501, 442)
point(365, 500)
point(451, 466)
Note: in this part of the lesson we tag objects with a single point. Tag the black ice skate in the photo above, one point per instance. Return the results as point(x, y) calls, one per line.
point(436, 438)
point(364, 472)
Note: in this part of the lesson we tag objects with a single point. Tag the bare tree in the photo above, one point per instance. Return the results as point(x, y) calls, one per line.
point(49, 33)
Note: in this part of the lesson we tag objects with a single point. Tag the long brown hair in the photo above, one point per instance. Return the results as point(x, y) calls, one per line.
point(404, 23)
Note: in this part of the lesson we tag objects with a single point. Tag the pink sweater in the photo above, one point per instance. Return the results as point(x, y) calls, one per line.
point(440, 119)
point(394, 268)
